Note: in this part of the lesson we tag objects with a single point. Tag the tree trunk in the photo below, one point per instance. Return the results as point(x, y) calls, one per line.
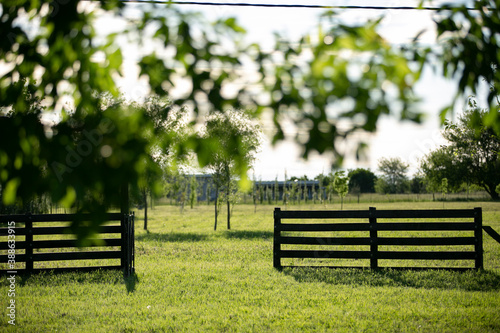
point(491, 190)
point(228, 215)
point(145, 197)
point(228, 192)
point(145, 213)
point(216, 199)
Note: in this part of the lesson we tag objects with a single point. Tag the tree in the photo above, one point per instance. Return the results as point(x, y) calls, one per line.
point(393, 179)
point(168, 123)
point(441, 163)
point(285, 191)
point(341, 185)
point(233, 136)
point(444, 189)
point(321, 184)
point(418, 184)
point(276, 191)
point(193, 191)
point(363, 179)
point(472, 154)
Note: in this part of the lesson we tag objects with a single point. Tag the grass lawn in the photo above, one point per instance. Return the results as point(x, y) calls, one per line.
point(192, 278)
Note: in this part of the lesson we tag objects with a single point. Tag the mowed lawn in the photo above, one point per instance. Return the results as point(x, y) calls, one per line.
point(191, 278)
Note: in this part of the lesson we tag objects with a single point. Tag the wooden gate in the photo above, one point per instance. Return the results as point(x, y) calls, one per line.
point(30, 243)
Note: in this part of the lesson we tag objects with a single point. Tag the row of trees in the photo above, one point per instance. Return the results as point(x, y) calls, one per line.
point(233, 140)
point(471, 158)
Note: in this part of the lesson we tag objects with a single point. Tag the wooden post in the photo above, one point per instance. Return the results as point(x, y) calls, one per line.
point(29, 243)
point(373, 239)
point(123, 242)
point(128, 249)
point(132, 243)
point(124, 210)
point(276, 242)
point(478, 235)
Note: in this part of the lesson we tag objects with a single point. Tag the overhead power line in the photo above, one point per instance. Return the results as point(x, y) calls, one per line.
point(278, 5)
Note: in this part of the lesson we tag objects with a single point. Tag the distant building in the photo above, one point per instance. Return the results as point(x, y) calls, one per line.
point(308, 187)
point(206, 188)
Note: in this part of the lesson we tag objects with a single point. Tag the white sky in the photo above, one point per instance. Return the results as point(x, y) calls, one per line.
point(393, 138)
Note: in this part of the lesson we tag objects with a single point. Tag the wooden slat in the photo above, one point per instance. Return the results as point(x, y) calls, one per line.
point(57, 217)
point(425, 241)
point(425, 214)
point(51, 244)
point(324, 254)
point(325, 240)
point(396, 226)
point(109, 229)
point(324, 227)
point(66, 256)
point(493, 234)
point(18, 231)
point(324, 214)
point(401, 255)
point(425, 226)
point(76, 255)
point(19, 258)
point(421, 255)
point(414, 241)
point(66, 230)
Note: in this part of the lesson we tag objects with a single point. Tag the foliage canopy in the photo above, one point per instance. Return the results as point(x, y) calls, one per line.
point(472, 155)
point(328, 86)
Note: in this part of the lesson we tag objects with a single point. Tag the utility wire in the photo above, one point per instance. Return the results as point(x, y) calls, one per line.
point(276, 5)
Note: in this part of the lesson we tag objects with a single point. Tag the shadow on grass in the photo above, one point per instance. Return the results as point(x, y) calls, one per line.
point(130, 282)
point(428, 279)
point(171, 237)
point(246, 234)
point(59, 278)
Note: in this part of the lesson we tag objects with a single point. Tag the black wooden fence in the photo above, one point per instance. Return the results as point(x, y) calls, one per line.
point(371, 225)
point(23, 244)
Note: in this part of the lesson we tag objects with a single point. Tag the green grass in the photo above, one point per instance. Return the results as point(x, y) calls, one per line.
point(190, 278)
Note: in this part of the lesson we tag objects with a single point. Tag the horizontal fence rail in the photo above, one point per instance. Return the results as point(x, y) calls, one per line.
point(16, 252)
point(296, 233)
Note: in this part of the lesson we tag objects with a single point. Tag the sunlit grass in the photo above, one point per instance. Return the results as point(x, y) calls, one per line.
point(190, 278)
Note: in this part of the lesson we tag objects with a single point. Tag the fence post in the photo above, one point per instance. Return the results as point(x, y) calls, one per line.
point(123, 259)
point(478, 235)
point(277, 245)
point(131, 245)
point(29, 243)
point(373, 238)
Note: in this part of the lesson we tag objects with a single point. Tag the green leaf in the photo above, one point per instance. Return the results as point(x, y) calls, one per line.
point(10, 192)
point(69, 198)
point(116, 60)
